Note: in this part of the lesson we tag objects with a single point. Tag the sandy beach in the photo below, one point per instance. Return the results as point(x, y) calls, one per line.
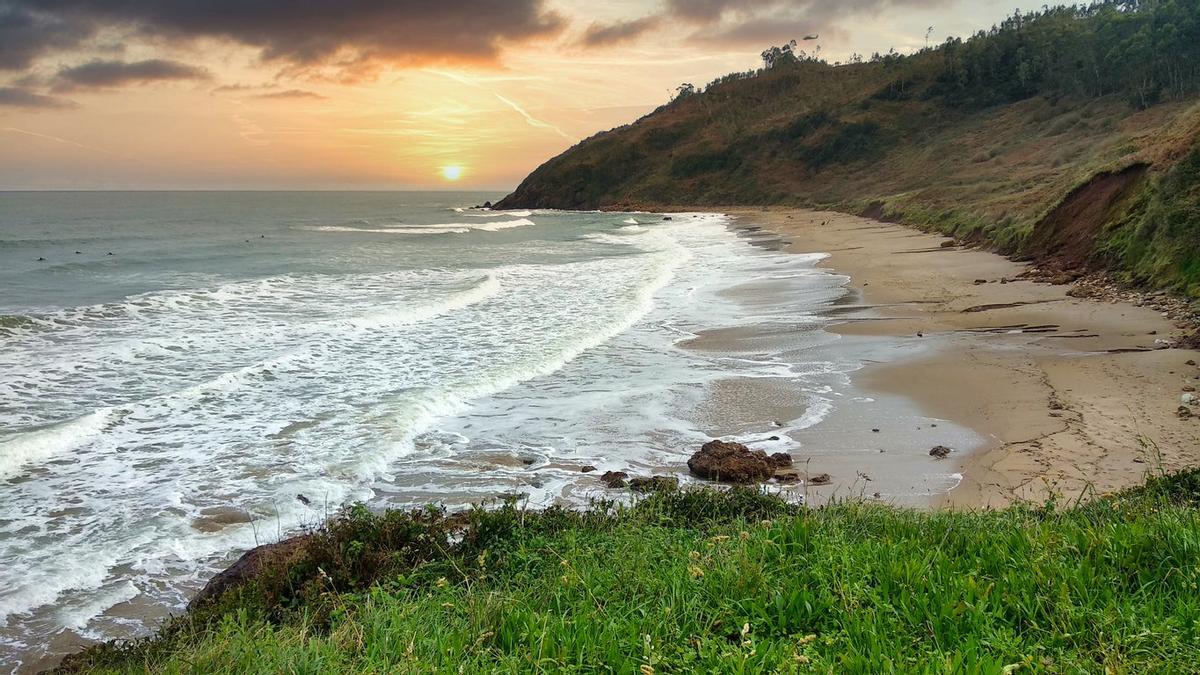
point(1072, 396)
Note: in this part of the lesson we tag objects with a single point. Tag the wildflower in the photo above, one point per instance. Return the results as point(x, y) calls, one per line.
point(694, 555)
point(441, 582)
point(646, 669)
point(800, 658)
point(744, 535)
point(447, 605)
point(745, 629)
point(695, 571)
point(807, 639)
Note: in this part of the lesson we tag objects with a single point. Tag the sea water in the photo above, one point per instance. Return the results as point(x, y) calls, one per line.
point(186, 375)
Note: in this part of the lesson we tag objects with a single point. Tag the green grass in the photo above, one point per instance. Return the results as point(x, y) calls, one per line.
point(703, 581)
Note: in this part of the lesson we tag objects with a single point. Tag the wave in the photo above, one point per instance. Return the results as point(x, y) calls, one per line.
point(438, 228)
point(423, 411)
point(489, 214)
point(394, 230)
point(35, 447)
point(485, 288)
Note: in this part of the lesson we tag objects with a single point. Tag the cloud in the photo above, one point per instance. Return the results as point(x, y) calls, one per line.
point(304, 32)
point(605, 35)
point(292, 94)
point(16, 97)
point(26, 33)
point(100, 73)
point(754, 22)
point(530, 119)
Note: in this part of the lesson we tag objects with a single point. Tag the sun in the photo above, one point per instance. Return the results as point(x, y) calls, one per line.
point(452, 172)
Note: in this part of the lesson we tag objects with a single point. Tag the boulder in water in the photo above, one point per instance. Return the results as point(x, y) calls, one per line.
point(731, 463)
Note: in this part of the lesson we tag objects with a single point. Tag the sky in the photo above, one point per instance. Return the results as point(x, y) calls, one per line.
point(381, 94)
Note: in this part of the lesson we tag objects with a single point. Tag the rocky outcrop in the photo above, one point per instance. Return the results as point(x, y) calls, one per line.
point(732, 463)
point(249, 566)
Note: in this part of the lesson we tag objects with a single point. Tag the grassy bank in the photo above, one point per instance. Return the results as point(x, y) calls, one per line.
point(715, 582)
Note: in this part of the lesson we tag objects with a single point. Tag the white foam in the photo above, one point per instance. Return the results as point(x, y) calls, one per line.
point(34, 447)
point(439, 228)
point(486, 288)
point(490, 213)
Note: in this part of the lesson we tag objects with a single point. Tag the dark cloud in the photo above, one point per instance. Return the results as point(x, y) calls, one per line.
point(16, 97)
point(291, 94)
point(101, 73)
point(604, 35)
point(760, 32)
point(301, 32)
point(752, 22)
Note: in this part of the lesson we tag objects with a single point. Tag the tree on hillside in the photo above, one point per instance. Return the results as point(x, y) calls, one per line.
point(773, 55)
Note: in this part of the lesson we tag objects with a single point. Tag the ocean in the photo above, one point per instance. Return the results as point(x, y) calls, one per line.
point(186, 375)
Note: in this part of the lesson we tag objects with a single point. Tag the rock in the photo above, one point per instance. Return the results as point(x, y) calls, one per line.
point(250, 565)
point(587, 469)
point(874, 431)
point(1184, 412)
point(1055, 404)
point(487, 205)
point(731, 463)
point(1004, 281)
point(654, 484)
point(820, 479)
point(781, 459)
point(1189, 399)
point(787, 476)
point(980, 282)
point(667, 218)
point(303, 500)
point(949, 243)
point(940, 451)
point(773, 438)
point(1190, 362)
point(614, 479)
point(528, 461)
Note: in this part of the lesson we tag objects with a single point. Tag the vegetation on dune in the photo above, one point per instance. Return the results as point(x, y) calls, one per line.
point(979, 138)
point(706, 581)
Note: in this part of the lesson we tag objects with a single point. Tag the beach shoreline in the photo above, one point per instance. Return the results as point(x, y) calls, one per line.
point(1072, 396)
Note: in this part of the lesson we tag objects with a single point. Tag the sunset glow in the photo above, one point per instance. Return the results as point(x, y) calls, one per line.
point(142, 95)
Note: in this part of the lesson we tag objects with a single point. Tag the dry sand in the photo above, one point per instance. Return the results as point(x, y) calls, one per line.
point(1037, 373)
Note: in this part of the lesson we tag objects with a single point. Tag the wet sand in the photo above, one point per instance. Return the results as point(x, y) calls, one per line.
point(1043, 378)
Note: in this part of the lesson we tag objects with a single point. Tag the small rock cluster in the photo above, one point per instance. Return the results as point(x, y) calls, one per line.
point(1189, 400)
point(1185, 314)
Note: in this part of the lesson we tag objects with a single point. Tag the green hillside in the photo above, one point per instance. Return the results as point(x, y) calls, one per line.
point(1068, 135)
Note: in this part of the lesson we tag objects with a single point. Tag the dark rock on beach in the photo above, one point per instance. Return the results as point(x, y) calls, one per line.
point(781, 459)
point(731, 463)
point(940, 451)
point(654, 484)
point(614, 479)
point(587, 469)
point(787, 476)
point(820, 479)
